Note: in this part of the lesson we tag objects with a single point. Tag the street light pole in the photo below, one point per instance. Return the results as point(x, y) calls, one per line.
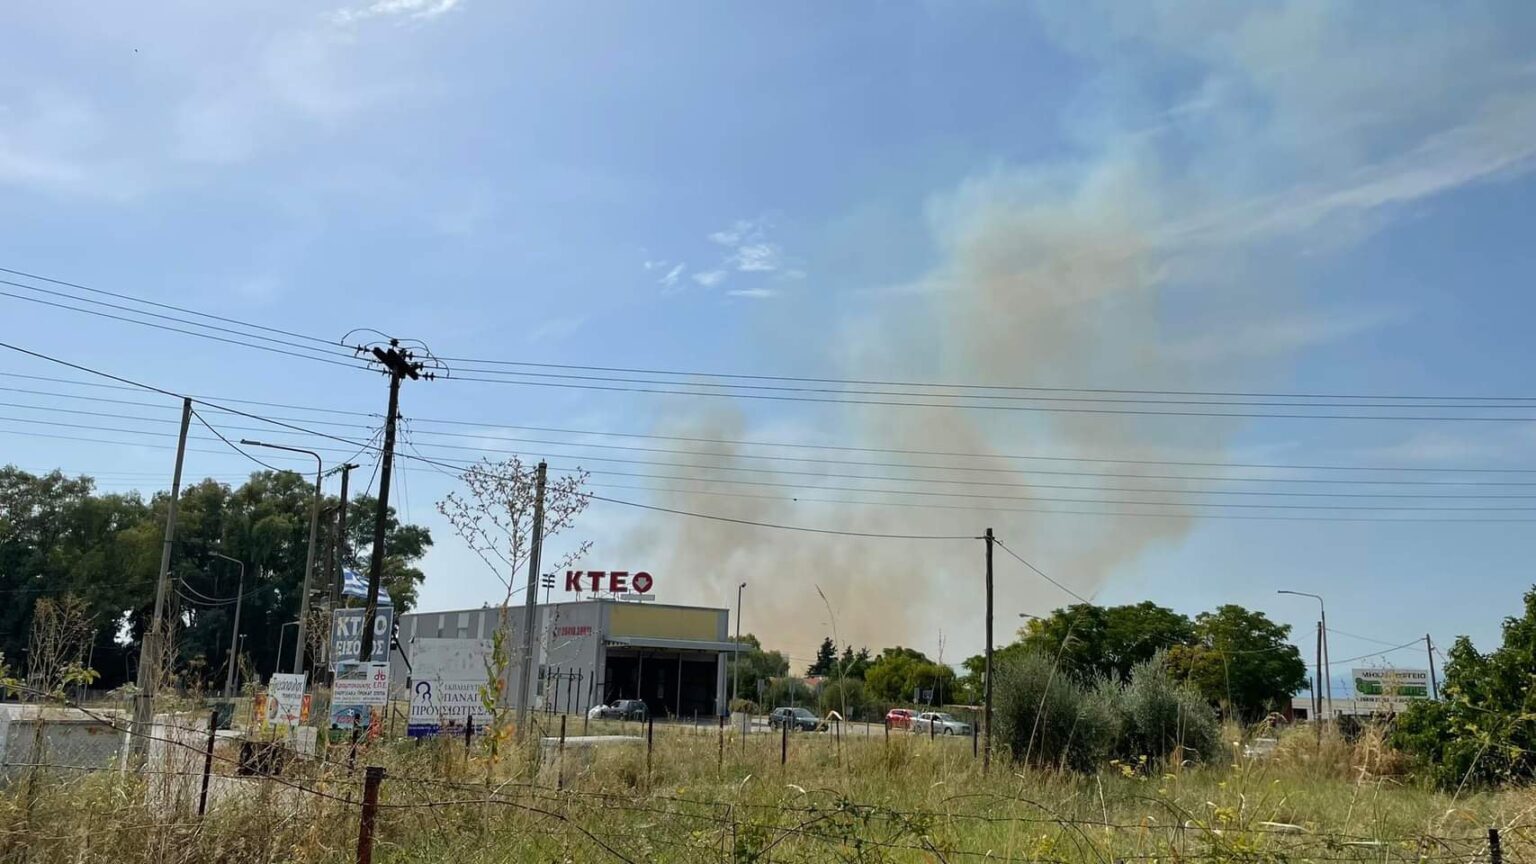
point(309, 561)
point(280, 630)
point(234, 629)
point(1326, 691)
point(736, 658)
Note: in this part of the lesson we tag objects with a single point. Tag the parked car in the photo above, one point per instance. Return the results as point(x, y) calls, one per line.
point(900, 718)
point(795, 719)
point(939, 723)
point(621, 709)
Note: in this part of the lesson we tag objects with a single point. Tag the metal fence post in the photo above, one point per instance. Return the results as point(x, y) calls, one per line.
point(371, 781)
point(213, 731)
point(783, 744)
point(469, 731)
point(650, 740)
point(560, 765)
point(721, 762)
point(975, 737)
point(1495, 851)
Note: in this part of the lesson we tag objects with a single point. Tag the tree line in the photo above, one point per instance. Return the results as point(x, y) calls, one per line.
point(1237, 660)
point(65, 546)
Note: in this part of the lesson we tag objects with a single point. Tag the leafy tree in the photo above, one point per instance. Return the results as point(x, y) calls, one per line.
point(1107, 641)
point(1242, 660)
point(826, 659)
point(847, 696)
point(899, 674)
point(1483, 730)
point(851, 664)
point(754, 665)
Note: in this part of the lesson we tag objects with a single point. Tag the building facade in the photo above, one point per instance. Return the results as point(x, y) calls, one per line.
point(674, 658)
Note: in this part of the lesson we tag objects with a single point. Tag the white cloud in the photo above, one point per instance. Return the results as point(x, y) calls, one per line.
point(415, 9)
point(761, 257)
point(755, 293)
point(741, 231)
point(655, 265)
point(710, 278)
point(669, 280)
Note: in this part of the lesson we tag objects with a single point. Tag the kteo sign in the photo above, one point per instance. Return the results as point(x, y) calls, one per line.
point(611, 581)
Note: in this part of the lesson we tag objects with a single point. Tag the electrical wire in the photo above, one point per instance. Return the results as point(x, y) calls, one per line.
point(232, 445)
point(853, 449)
point(757, 524)
point(1041, 573)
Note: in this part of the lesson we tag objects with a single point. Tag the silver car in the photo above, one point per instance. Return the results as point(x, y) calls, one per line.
point(939, 723)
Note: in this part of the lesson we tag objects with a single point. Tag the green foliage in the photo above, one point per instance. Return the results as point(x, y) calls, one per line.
point(846, 696)
point(1240, 659)
point(1047, 718)
point(1107, 641)
point(754, 665)
point(58, 536)
point(787, 691)
point(826, 659)
point(853, 664)
point(1483, 731)
point(899, 674)
point(1163, 717)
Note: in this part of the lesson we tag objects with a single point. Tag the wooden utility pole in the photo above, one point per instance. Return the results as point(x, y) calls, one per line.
point(530, 595)
point(986, 707)
point(152, 649)
point(1434, 686)
point(398, 365)
point(1317, 677)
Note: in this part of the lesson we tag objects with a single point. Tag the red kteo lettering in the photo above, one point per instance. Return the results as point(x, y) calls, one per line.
point(641, 582)
point(573, 580)
point(618, 580)
point(596, 578)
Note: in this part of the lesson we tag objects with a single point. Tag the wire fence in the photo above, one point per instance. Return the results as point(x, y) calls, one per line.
point(71, 793)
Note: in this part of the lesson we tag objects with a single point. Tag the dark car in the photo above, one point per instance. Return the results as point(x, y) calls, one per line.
point(797, 719)
point(621, 709)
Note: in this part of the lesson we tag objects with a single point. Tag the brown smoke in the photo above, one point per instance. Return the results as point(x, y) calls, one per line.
point(1040, 285)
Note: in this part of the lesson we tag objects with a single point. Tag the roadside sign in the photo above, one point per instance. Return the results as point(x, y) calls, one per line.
point(361, 684)
point(1389, 689)
point(346, 635)
point(439, 706)
point(287, 704)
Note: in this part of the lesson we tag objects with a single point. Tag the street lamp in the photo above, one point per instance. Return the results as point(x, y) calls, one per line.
point(736, 658)
point(1327, 670)
point(234, 630)
point(280, 642)
point(240, 652)
point(309, 562)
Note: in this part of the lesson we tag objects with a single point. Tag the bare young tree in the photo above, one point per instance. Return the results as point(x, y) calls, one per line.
point(494, 517)
point(62, 632)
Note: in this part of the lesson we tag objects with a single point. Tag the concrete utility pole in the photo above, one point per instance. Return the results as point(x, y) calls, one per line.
point(736, 660)
point(398, 365)
point(986, 708)
point(152, 649)
point(234, 629)
point(301, 650)
point(525, 699)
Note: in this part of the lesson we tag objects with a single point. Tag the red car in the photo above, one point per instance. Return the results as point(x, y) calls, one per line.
point(900, 718)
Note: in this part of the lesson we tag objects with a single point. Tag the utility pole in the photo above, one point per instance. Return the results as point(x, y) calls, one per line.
point(337, 565)
point(1317, 677)
point(398, 365)
point(1434, 686)
point(548, 581)
point(234, 629)
point(302, 649)
point(526, 682)
point(986, 707)
point(152, 650)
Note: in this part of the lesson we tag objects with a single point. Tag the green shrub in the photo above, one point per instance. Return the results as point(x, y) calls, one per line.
point(1163, 718)
point(1043, 717)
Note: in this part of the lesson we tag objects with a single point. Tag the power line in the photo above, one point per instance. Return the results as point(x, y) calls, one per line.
point(232, 445)
point(1027, 408)
point(179, 330)
point(490, 424)
point(774, 525)
point(1416, 643)
point(174, 308)
point(1041, 573)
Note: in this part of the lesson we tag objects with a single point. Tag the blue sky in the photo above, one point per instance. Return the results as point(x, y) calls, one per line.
point(1291, 197)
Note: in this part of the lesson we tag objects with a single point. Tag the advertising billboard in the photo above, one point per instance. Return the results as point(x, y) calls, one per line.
point(1389, 690)
point(346, 635)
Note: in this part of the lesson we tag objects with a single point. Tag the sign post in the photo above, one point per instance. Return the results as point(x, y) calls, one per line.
point(346, 635)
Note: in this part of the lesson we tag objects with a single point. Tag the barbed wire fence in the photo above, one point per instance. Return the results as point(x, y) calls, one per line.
point(200, 796)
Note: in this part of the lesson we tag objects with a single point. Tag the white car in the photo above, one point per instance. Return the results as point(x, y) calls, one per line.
point(939, 723)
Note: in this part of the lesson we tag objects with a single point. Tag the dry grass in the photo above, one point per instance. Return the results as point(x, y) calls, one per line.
point(861, 798)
